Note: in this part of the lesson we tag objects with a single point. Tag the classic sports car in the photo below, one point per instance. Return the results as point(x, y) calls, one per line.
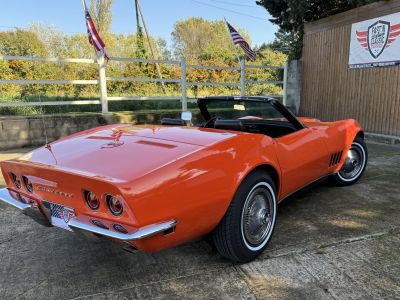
point(154, 187)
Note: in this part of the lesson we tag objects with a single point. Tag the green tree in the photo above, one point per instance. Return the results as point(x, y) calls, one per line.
point(196, 38)
point(23, 43)
point(101, 13)
point(291, 15)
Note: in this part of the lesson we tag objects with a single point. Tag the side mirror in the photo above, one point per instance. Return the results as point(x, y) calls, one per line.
point(186, 116)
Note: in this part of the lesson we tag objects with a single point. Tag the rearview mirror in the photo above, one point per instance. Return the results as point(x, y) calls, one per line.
point(186, 116)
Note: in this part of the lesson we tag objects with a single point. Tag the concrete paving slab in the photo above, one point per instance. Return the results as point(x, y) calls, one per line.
point(330, 243)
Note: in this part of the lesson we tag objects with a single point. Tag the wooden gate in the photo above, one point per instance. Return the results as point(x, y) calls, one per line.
point(331, 91)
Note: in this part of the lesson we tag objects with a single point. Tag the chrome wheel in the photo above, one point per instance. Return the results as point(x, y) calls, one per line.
point(258, 216)
point(354, 163)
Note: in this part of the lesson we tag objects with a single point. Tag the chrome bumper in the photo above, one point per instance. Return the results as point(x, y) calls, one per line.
point(26, 205)
point(41, 214)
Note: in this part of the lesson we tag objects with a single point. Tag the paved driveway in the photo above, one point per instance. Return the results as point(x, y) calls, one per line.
point(330, 243)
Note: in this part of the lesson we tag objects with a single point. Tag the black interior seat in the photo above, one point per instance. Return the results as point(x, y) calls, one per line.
point(172, 122)
point(235, 125)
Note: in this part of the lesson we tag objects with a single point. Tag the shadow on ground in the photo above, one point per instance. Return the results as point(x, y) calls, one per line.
point(330, 243)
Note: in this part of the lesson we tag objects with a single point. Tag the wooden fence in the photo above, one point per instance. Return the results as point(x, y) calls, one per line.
point(103, 79)
point(331, 91)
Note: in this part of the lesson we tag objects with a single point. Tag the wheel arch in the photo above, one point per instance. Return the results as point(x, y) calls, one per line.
point(271, 171)
point(361, 134)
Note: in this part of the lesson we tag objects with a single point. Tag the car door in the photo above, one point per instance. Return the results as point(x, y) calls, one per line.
point(302, 157)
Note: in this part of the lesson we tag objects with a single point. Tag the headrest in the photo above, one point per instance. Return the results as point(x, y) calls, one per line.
point(235, 125)
point(174, 122)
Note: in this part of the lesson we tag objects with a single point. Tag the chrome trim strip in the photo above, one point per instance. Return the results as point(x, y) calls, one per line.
point(141, 233)
point(31, 210)
point(42, 216)
point(6, 197)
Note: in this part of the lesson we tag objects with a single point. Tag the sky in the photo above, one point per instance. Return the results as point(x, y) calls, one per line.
point(160, 15)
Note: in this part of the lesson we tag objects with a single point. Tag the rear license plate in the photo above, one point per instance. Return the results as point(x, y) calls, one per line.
point(61, 215)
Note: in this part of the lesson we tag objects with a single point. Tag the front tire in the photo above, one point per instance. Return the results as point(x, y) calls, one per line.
point(249, 222)
point(354, 165)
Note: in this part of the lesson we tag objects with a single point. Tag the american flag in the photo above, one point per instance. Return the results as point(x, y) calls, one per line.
point(61, 212)
point(239, 40)
point(57, 210)
point(93, 35)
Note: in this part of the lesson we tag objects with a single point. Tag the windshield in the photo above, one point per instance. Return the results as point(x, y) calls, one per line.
point(236, 109)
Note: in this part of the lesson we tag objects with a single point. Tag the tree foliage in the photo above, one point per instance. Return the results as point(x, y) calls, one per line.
point(101, 13)
point(291, 15)
point(196, 38)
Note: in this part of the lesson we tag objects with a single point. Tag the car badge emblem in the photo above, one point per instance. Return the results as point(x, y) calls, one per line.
point(53, 191)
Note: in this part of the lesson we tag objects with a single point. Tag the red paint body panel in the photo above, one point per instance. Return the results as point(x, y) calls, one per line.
point(175, 173)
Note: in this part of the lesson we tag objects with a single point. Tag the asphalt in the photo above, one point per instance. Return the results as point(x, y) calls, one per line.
point(330, 243)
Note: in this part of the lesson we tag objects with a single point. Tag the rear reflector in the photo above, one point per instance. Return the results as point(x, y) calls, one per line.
point(99, 224)
point(120, 228)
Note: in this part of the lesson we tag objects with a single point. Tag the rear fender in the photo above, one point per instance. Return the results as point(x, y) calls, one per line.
point(66, 187)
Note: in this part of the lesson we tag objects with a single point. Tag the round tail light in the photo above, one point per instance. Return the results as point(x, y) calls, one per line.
point(15, 180)
point(91, 199)
point(115, 205)
point(28, 184)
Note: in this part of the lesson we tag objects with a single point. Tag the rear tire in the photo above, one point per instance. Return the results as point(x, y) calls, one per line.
point(354, 166)
point(249, 222)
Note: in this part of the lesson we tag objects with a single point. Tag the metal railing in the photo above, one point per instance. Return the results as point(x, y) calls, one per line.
point(102, 80)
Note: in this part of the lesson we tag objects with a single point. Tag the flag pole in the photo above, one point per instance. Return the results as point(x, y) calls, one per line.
point(233, 44)
point(98, 56)
point(84, 5)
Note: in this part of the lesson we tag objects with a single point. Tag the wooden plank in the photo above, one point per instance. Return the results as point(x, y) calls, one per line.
point(137, 98)
point(48, 103)
point(136, 79)
point(49, 59)
point(138, 60)
point(25, 81)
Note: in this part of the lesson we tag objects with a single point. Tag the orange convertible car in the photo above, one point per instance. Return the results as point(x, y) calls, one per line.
point(154, 187)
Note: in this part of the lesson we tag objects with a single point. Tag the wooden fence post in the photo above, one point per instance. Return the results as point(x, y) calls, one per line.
point(103, 84)
point(242, 77)
point(183, 85)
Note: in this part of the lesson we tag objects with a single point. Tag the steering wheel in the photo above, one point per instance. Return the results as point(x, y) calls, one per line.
point(206, 124)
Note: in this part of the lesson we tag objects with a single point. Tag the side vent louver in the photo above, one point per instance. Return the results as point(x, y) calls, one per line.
point(335, 158)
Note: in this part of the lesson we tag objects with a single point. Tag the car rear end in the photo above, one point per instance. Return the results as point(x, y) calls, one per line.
point(75, 200)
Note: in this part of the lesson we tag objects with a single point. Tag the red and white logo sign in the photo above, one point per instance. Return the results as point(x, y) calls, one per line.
point(374, 42)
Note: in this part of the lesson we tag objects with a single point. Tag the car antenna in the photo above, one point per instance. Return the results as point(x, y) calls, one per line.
point(47, 145)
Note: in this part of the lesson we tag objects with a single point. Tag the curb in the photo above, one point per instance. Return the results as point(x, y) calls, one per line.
point(382, 138)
